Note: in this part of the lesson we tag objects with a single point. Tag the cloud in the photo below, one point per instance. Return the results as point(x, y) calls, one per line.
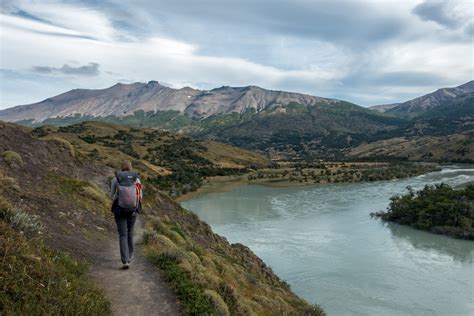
point(366, 52)
point(436, 11)
point(450, 14)
point(91, 69)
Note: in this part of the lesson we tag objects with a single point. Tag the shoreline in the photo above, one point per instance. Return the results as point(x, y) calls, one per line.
point(226, 183)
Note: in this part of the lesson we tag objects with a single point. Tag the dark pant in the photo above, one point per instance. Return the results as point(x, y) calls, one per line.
point(125, 229)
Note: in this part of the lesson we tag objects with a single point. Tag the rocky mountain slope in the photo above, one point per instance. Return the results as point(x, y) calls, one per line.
point(124, 99)
point(61, 176)
point(428, 102)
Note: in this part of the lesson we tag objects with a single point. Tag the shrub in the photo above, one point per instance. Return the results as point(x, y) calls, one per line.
point(7, 182)
point(64, 144)
point(21, 221)
point(12, 159)
point(219, 306)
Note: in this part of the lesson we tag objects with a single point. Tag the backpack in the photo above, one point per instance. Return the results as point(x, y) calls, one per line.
point(128, 191)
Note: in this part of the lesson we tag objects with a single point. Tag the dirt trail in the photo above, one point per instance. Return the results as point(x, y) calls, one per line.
point(140, 290)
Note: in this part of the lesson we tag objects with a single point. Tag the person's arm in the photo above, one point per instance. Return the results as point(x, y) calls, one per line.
point(141, 191)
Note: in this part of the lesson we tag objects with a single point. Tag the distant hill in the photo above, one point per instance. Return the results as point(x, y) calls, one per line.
point(427, 103)
point(123, 100)
point(450, 148)
point(384, 107)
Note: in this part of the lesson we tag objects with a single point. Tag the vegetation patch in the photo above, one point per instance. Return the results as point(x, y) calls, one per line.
point(12, 159)
point(438, 209)
point(64, 144)
point(219, 280)
point(192, 297)
point(83, 192)
point(36, 280)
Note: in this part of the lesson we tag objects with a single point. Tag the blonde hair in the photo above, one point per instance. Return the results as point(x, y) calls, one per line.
point(126, 165)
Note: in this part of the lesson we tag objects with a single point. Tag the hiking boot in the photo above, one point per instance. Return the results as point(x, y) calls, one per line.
point(126, 266)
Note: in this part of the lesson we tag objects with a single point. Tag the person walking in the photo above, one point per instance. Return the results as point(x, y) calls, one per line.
point(126, 196)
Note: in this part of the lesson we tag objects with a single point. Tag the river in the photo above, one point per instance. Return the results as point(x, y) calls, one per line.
point(322, 241)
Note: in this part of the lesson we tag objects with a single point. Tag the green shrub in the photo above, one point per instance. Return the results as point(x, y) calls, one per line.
point(12, 159)
point(64, 144)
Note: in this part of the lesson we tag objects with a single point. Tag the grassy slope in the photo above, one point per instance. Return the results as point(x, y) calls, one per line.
point(456, 147)
point(177, 163)
point(206, 271)
point(46, 273)
point(37, 279)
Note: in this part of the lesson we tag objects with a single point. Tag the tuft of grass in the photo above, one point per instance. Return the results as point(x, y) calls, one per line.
point(12, 159)
point(64, 144)
point(7, 182)
point(192, 296)
point(219, 306)
point(37, 280)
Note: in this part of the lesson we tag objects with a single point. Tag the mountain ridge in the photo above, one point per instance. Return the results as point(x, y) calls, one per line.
point(125, 99)
point(425, 103)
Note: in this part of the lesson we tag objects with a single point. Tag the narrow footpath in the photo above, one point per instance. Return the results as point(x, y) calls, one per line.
point(140, 290)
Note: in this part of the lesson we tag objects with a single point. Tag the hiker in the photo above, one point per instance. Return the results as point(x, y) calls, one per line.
point(126, 195)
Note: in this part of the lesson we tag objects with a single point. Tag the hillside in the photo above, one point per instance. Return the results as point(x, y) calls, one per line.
point(179, 163)
point(426, 103)
point(450, 148)
point(63, 183)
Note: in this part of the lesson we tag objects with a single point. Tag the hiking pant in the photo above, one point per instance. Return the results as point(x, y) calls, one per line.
point(125, 225)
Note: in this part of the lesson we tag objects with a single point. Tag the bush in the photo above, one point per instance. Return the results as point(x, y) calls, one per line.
point(438, 209)
point(219, 306)
point(64, 144)
point(12, 159)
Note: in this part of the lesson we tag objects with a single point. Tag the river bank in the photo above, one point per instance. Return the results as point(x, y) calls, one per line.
point(287, 174)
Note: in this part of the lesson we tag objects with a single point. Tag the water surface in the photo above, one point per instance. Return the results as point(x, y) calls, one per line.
point(322, 241)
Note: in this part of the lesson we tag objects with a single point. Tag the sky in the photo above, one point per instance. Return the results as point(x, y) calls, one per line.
point(365, 52)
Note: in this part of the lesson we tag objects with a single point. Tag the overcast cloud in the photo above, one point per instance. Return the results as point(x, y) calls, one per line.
point(366, 52)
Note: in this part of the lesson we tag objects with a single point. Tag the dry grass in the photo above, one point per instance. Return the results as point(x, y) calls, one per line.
point(228, 286)
point(64, 144)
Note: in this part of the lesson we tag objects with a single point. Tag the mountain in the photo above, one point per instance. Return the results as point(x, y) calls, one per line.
point(249, 117)
point(123, 100)
point(278, 123)
point(384, 107)
point(427, 103)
